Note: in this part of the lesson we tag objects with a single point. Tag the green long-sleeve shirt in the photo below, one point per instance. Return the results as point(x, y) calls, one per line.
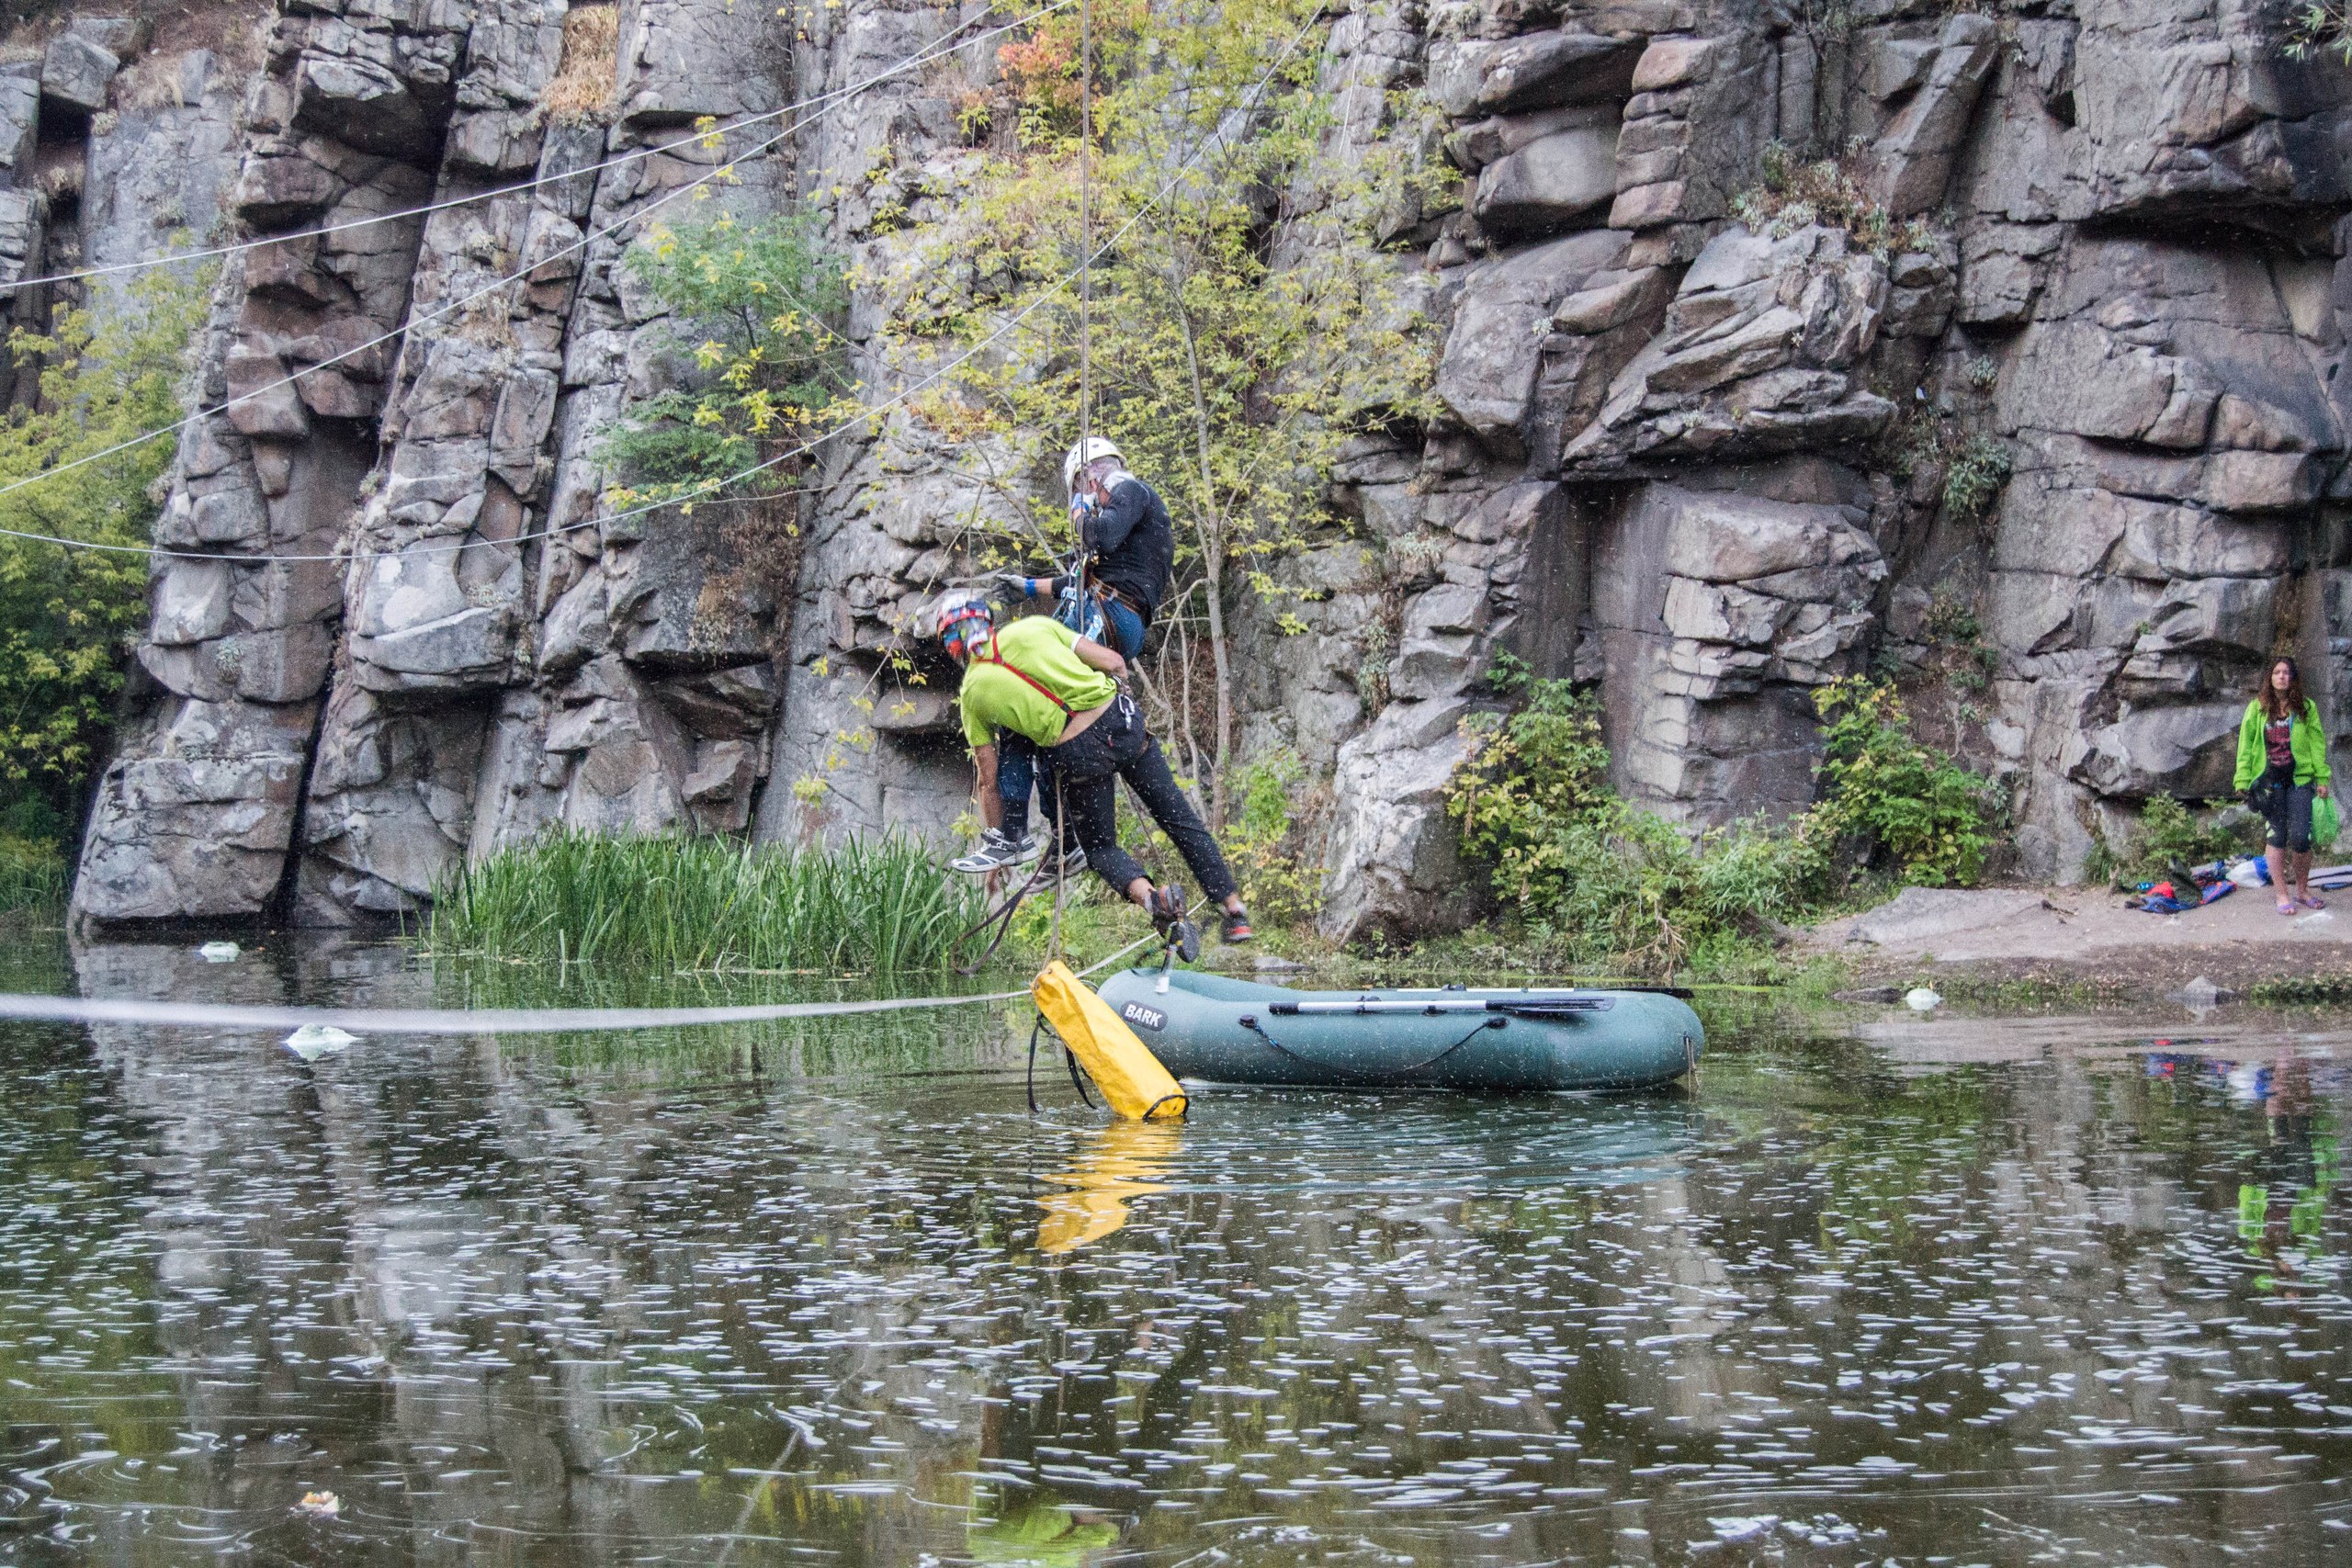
point(2305, 739)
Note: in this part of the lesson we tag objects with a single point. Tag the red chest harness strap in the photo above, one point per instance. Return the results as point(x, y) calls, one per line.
point(992, 657)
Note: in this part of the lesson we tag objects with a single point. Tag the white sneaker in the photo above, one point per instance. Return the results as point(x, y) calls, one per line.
point(996, 853)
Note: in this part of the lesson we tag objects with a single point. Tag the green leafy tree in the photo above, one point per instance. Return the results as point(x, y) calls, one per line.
point(748, 302)
point(1228, 378)
point(68, 616)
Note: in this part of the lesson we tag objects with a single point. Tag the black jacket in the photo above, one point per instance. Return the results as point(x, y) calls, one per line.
point(1134, 545)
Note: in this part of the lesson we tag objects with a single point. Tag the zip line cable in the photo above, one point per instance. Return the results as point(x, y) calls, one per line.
point(583, 172)
point(437, 313)
point(694, 496)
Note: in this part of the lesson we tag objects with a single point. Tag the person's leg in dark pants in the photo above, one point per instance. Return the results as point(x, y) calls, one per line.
point(1016, 770)
point(2279, 817)
point(1090, 766)
point(1092, 807)
point(2299, 842)
point(1124, 627)
point(1146, 771)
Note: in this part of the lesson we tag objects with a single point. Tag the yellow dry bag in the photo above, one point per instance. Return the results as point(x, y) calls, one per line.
point(1129, 1076)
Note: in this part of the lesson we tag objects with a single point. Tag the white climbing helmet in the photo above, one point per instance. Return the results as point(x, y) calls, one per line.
point(1085, 452)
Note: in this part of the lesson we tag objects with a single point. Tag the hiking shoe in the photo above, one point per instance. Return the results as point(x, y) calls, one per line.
point(1069, 863)
point(996, 853)
point(1235, 927)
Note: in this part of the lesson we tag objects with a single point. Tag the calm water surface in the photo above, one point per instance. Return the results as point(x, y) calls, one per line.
point(1971, 1292)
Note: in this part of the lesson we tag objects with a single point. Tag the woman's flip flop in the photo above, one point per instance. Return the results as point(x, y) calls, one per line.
point(2312, 901)
point(2286, 905)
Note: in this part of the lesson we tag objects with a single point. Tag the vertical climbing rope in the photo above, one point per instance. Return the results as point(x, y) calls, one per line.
point(1085, 402)
point(1085, 218)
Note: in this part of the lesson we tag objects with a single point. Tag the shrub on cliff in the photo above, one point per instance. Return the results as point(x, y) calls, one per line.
point(69, 616)
point(2318, 27)
point(748, 301)
point(1917, 812)
point(1531, 800)
point(1618, 884)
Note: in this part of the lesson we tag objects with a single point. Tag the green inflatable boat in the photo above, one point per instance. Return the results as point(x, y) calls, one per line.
point(1214, 1030)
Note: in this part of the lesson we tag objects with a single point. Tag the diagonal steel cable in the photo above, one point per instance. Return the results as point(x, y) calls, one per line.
point(584, 171)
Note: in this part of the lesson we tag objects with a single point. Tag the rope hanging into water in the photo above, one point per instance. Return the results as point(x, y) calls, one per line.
point(483, 1021)
point(1085, 412)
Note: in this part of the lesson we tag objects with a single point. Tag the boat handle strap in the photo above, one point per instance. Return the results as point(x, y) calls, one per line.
point(1250, 1021)
point(1539, 1008)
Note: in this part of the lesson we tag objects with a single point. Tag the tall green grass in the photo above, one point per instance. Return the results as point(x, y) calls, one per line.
point(875, 905)
point(32, 875)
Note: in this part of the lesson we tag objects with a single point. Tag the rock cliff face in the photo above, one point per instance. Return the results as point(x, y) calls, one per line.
point(1744, 307)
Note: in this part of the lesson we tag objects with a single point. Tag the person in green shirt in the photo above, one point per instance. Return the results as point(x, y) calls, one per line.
point(2283, 765)
point(1038, 679)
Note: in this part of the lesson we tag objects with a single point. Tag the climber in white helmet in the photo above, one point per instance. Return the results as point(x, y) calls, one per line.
point(1058, 691)
point(1129, 548)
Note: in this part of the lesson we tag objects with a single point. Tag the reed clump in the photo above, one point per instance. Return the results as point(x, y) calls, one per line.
point(32, 875)
point(869, 906)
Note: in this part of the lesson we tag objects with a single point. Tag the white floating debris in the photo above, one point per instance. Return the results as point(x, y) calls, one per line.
point(219, 952)
point(1738, 1527)
point(320, 1504)
point(1921, 998)
point(313, 1041)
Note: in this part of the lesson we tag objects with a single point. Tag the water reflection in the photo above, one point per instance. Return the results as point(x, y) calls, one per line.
point(1013, 1525)
point(1117, 1163)
point(831, 1292)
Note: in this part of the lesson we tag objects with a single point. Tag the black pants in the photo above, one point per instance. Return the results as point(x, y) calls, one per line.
point(2288, 811)
point(1090, 766)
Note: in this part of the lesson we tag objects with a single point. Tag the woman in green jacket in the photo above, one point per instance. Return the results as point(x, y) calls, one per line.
point(2282, 750)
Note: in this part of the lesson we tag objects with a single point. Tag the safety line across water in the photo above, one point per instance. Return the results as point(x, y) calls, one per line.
point(466, 1021)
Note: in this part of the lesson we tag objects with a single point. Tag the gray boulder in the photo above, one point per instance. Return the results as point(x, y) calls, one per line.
point(1486, 379)
point(1549, 183)
point(76, 73)
point(194, 817)
point(1539, 71)
point(1912, 160)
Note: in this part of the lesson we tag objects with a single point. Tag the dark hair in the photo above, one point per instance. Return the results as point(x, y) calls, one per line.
point(2292, 705)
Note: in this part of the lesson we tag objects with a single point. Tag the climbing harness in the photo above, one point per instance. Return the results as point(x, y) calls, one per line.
point(992, 657)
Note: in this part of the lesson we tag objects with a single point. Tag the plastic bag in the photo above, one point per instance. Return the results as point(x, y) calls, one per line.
point(2324, 823)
